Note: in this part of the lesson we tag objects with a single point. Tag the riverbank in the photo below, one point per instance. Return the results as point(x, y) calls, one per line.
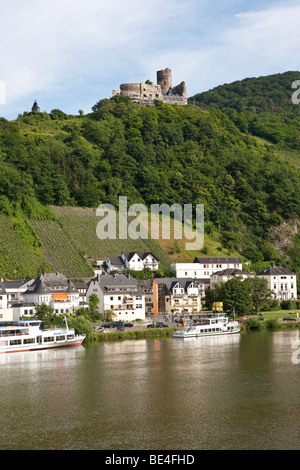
point(137, 333)
point(142, 332)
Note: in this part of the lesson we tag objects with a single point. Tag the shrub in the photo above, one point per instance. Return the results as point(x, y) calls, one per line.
point(287, 305)
point(272, 324)
point(253, 324)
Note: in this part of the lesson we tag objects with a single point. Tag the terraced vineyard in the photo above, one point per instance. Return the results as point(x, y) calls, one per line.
point(61, 250)
point(68, 244)
point(71, 243)
point(19, 259)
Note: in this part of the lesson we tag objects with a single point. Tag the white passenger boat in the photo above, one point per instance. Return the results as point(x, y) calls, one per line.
point(27, 335)
point(214, 325)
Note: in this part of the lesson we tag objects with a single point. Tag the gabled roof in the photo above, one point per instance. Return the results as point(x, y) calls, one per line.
point(47, 282)
point(185, 283)
point(142, 255)
point(276, 271)
point(116, 261)
point(232, 272)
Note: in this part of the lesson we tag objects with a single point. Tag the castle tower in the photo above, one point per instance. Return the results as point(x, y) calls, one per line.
point(164, 79)
point(35, 108)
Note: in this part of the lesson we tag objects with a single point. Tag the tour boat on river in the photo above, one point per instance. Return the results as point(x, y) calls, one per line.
point(27, 335)
point(214, 325)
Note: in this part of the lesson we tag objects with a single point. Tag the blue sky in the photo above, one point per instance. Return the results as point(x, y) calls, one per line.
point(68, 54)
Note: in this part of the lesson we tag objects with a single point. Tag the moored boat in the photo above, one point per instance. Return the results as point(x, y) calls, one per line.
point(27, 335)
point(214, 325)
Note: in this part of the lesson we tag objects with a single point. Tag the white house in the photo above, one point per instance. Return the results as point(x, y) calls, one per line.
point(115, 263)
point(139, 261)
point(53, 289)
point(3, 295)
point(281, 281)
point(119, 293)
point(204, 267)
point(15, 289)
point(220, 277)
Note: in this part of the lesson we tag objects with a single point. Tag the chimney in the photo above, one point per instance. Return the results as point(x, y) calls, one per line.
point(98, 277)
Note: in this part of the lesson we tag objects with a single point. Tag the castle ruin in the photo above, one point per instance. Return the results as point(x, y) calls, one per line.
point(147, 93)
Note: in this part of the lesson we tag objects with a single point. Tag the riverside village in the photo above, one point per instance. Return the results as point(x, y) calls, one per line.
point(127, 301)
point(120, 297)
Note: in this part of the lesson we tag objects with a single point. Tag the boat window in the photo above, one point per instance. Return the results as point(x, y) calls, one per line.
point(15, 341)
point(60, 338)
point(48, 339)
point(29, 340)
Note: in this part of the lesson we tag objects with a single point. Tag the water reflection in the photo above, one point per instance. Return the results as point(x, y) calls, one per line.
point(239, 391)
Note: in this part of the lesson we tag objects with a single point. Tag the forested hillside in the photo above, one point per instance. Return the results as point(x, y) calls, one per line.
point(164, 154)
point(261, 106)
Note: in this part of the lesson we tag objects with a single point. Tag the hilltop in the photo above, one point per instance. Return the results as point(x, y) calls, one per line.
point(261, 106)
point(56, 169)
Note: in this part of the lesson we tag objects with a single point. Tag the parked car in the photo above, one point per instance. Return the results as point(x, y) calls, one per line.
point(101, 329)
point(157, 325)
point(129, 325)
point(107, 325)
point(117, 323)
point(178, 320)
point(289, 319)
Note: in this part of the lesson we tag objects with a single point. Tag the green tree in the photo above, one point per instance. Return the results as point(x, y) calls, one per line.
point(259, 292)
point(93, 304)
point(44, 312)
point(235, 296)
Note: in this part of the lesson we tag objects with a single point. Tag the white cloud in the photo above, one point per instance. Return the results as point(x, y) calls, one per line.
point(70, 53)
point(260, 43)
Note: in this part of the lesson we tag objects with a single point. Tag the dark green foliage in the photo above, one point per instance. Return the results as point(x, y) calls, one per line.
point(165, 154)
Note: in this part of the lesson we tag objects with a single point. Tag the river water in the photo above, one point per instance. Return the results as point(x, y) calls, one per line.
point(234, 392)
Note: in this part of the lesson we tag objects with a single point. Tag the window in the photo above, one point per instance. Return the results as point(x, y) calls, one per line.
point(29, 340)
point(60, 338)
point(48, 339)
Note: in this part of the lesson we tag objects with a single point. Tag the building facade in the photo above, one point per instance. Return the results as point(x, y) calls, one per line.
point(139, 261)
point(53, 289)
point(281, 282)
point(219, 277)
point(119, 294)
point(204, 267)
point(178, 296)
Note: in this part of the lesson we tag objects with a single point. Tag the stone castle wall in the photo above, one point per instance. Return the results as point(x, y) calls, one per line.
point(146, 94)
